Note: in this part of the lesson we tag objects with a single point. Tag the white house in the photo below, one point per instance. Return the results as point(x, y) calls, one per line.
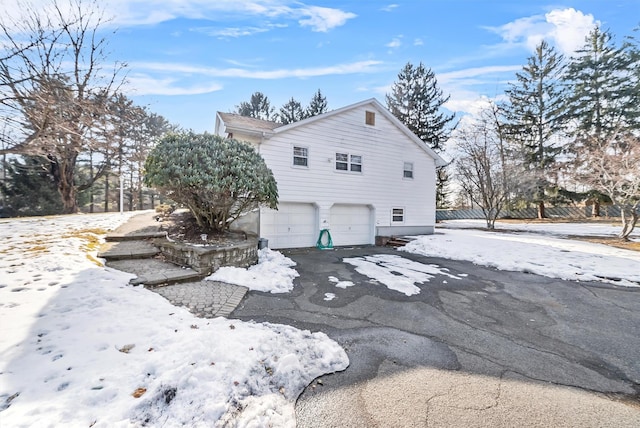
point(356, 171)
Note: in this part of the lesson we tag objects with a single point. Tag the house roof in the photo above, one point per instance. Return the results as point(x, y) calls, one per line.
point(235, 122)
point(266, 128)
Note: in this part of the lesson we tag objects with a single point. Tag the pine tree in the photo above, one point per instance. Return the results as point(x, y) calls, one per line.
point(29, 188)
point(291, 112)
point(534, 112)
point(417, 101)
point(258, 107)
point(318, 105)
point(603, 95)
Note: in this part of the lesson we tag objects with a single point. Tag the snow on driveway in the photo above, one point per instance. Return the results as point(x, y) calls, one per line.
point(80, 347)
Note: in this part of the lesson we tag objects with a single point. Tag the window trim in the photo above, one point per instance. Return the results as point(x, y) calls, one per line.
point(348, 163)
point(306, 157)
point(401, 215)
point(405, 171)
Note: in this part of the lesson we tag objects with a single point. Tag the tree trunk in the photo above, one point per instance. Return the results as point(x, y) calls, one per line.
point(541, 210)
point(106, 192)
point(68, 195)
point(629, 216)
point(595, 209)
point(62, 172)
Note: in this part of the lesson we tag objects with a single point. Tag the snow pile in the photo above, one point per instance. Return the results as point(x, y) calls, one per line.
point(80, 347)
point(533, 253)
point(341, 284)
point(396, 272)
point(273, 273)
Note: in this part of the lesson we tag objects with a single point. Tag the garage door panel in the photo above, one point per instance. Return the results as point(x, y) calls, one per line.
point(351, 225)
point(293, 225)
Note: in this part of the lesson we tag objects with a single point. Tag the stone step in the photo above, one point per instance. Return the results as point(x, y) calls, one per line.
point(126, 250)
point(138, 236)
point(154, 272)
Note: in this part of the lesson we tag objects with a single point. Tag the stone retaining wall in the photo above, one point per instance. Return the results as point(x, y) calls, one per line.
point(208, 259)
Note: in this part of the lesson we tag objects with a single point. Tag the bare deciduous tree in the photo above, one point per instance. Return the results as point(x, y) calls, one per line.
point(612, 167)
point(54, 87)
point(480, 164)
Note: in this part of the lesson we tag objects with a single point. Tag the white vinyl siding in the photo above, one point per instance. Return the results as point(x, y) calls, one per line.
point(380, 185)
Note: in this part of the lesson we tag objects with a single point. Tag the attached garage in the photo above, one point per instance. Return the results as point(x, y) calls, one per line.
point(293, 225)
point(351, 225)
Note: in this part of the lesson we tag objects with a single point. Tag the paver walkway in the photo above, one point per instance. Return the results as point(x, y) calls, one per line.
point(129, 249)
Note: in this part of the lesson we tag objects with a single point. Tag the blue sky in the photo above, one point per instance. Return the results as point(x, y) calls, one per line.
point(189, 58)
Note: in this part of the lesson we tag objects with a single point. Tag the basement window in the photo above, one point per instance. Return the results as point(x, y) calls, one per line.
point(397, 215)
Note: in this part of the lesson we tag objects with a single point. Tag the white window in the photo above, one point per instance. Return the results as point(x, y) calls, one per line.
point(408, 170)
point(356, 163)
point(300, 156)
point(348, 162)
point(397, 215)
point(342, 161)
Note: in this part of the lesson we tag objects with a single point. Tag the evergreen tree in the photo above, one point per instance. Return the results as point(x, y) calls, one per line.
point(603, 94)
point(533, 113)
point(318, 105)
point(417, 101)
point(258, 107)
point(291, 112)
point(29, 188)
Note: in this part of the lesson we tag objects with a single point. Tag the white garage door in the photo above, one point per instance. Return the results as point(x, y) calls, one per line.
point(293, 225)
point(351, 225)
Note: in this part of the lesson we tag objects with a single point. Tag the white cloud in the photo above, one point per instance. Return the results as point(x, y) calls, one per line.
point(337, 69)
point(490, 70)
point(148, 12)
point(570, 27)
point(141, 84)
point(394, 43)
point(323, 19)
point(468, 88)
point(390, 8)
point(232, 32)
point(418, 42)
point(565, 28)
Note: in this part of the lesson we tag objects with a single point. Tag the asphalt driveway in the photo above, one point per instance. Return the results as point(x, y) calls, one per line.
point(475, 347)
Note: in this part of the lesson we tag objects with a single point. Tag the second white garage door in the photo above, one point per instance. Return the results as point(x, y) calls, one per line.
point(293, 225)
point(351, 225)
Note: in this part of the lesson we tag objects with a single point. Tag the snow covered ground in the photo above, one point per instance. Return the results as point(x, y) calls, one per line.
point(539, 248)
point(80, 347)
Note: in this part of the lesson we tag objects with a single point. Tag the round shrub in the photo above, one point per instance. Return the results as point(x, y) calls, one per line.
point(218, 179)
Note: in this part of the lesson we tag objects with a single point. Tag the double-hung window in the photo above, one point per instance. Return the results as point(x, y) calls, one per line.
point(408, 170)
point(348, 162)
point(300, 156)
